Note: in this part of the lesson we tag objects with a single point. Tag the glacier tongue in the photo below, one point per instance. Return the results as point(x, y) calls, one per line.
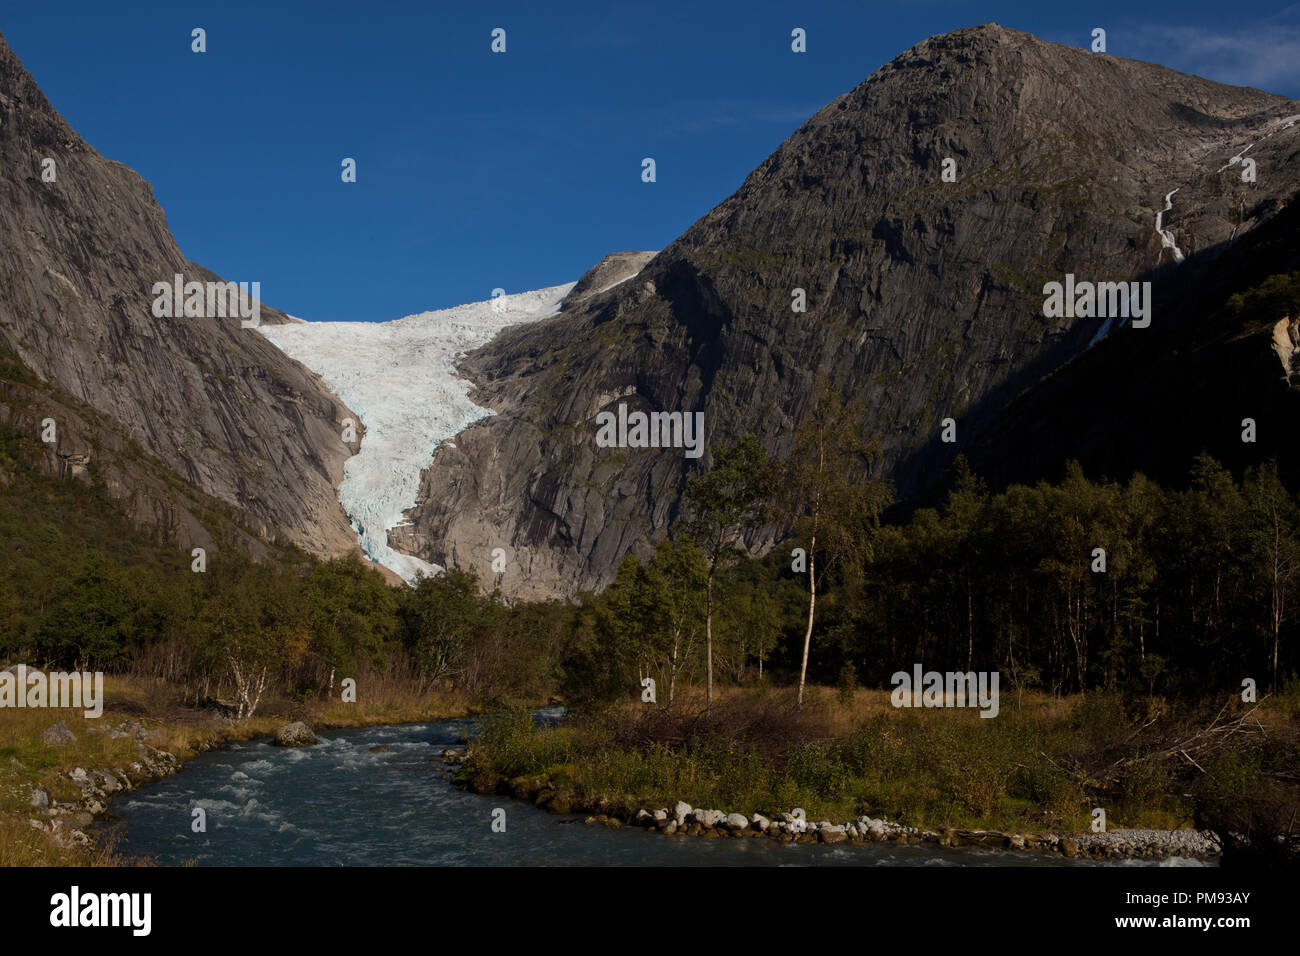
point(399, 377)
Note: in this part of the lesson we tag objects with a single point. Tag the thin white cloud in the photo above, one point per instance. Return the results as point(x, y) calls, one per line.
point(1263, 52)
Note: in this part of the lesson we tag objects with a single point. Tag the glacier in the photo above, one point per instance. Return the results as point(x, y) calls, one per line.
point(400, 378)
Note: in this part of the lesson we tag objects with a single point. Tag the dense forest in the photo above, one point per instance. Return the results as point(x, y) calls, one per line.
point(1062, 587)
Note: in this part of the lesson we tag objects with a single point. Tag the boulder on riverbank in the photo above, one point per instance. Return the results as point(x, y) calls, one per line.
point(296, 734)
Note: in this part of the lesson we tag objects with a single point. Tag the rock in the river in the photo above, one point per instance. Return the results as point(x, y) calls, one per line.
point(681, 811)
point(737, 821)
point(296, 734)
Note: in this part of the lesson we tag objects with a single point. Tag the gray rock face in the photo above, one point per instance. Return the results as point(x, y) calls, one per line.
point(615, 268)
point(56, 735)
point(1150, 404)
point(216, 403)
point(296, 734)
point(106, 782)
point(128, 728)
point(924, 297)
point(709, 818)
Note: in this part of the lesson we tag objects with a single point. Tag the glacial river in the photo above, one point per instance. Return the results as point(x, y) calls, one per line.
point(339, 804)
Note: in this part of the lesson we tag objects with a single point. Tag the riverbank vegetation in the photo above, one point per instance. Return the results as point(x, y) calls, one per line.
point(1045, 765)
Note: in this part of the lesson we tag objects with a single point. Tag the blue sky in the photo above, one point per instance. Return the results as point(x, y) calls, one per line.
point(516, 170)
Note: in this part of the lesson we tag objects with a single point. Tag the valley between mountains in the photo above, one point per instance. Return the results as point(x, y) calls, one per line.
point(996, 362)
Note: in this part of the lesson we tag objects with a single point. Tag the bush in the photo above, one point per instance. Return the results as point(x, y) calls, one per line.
point(512, 745)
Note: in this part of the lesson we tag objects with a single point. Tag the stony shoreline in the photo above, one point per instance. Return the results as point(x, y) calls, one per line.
point(67, 821)
point(684, 820)
point(789, 827)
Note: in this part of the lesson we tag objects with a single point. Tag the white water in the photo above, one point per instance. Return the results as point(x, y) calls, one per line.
point(1166, 235)
point(1285, 122)
point(399, 377)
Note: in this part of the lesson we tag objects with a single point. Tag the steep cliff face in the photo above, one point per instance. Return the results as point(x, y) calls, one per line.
point(215, 402)
point(93, 447)
point(1152, 403)
point(924, 297)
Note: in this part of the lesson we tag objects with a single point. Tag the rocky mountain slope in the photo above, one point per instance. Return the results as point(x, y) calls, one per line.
point(216, 403)
point(1151, 405)
point(924, 297)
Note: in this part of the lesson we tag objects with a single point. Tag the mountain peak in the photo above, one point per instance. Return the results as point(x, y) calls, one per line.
point(918, 218)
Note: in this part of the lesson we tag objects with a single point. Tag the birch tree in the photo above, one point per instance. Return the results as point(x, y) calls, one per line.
point(729, 501)
point(834, 502)
point(1276, 552)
